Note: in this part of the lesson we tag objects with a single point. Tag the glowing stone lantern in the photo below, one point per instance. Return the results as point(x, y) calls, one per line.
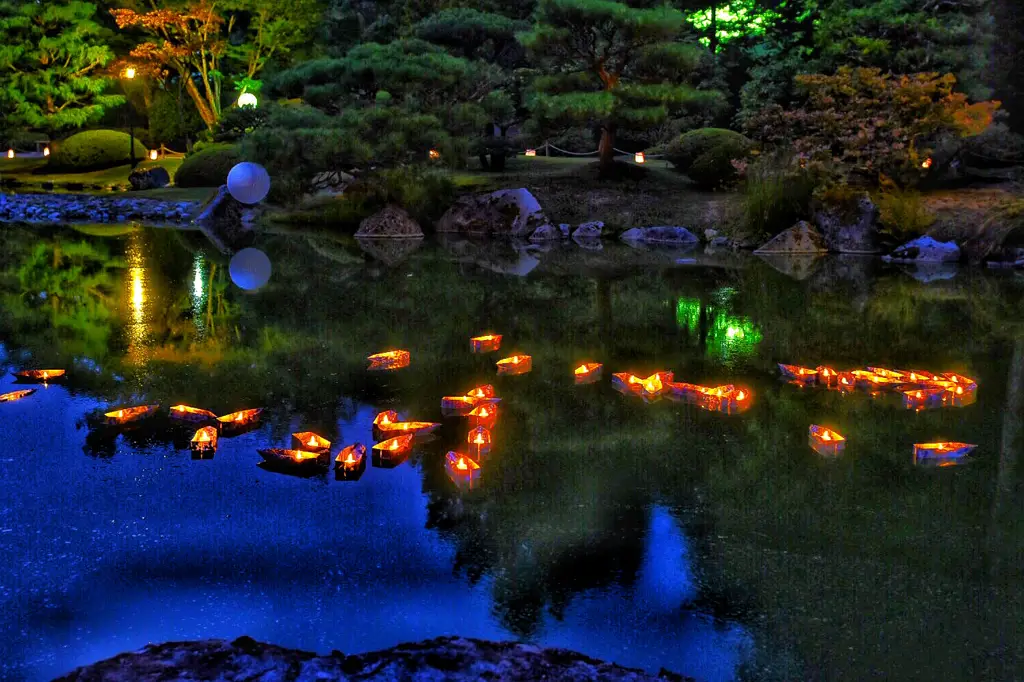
point(39, 376)
point(46, 151)
point(588, 373)
point(248, 183)
point(350, 462)
point(462, 470)
point(798, 374)
point(296, 461)
point(153, 154)
point(479, 442)
point(825, 441)
point(243, 419)
point(16, 395)
point(392, 451)
point(531, 152)
point(485, 344)
point(483, 415)
point(922, 398)
point(194, 415)
point(434, 155)
point(388, 360)
point(310, 442)
point(457, 405)
point(130, 415)
point(941, 454)
point(10, 153)
point(516, 364)
point(204, 443)
point(640, 157)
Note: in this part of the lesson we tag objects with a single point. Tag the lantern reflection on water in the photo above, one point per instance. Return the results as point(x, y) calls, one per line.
point(191, 414)
point(350, 462)
point(588, 373)
point(479, 440)
point(392, 450)
point(16, 395)
point(389, 360)
point(310, 442)
point(204, 443)
point(483, 415)
point(462, 470)
point(800, 375)
point(941, 454)
point(40, 375)
point(485, 344)
point(515, 364)
point(825, 441)
point(129, 415)
point(923, 398)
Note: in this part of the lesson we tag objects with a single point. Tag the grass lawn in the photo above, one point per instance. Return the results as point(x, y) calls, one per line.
point(32, 172)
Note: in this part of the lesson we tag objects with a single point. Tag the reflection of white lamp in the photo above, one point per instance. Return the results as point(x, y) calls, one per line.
point(250, 269)
point(247, 99)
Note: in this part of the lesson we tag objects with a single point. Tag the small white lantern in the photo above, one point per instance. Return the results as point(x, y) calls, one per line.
point(250, 269)
point(531, 152)
point(639, 157)
point(247, 99)
point(46, 151)
point(248, 182)
point(153, 154)
point(10, 153)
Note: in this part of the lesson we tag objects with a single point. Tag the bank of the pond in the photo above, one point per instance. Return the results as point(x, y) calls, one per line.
point(453, 659)
point(93, 208)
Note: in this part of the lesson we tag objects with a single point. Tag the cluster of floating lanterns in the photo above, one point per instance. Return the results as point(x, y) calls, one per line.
point(728, 399)
point(32, 376)
point(919, 390)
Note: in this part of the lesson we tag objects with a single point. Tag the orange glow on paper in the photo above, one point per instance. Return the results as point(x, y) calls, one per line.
point(481, 392)
point(487, 343)
point(825, 441)
point(204, 440)
point(389, 360)
point(515, 364)
point(16, 395)
point(187, 413)
point(128, 415)
point(42, 375)
point(927, 163)
point(307, 440)
point(350, 457)
point(531, 152)
point(241, 418)
point(640, 157)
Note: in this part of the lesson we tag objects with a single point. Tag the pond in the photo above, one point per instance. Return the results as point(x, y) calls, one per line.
point(719, 546)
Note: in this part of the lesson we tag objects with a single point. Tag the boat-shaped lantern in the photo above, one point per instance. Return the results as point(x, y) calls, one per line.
point(872, 381)
point(483, 415)
point(958, 395)
point(16, 395)
point(129, 415)
point(825, 441)
point(299, 461)
point(653, 387)
point(204, 443)
point(941, 454)
point(626, 383)
point(386, 425)
point(240, 420)
point(515, 364)
point(310, 442)
point(193, 415)
point(885, 372)
point(479, 442)
point(350, 462)
point(826, 376)
point(389, 360)
point(684, 392)
point(40, 376)
point(464, 472)
point(588, 373)
point(728, 399)
point(923, 398)
point(484, 392)
point(487, 343)
point(457, 405)
point(966, 383)
point(798, 374)
point(846, 382)
point(393, 449)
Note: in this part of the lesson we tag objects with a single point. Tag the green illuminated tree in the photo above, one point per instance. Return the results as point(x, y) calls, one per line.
point(611, 64)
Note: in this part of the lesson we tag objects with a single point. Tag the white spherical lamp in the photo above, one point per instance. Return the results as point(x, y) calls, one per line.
point(248, 182)
point(250, 269)
point(247, 99)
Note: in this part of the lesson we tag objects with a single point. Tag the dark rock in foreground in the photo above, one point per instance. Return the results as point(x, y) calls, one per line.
point(452, 659)
point(55, 209)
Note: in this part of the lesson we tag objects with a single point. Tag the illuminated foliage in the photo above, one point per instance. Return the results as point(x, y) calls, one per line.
point(721, 23)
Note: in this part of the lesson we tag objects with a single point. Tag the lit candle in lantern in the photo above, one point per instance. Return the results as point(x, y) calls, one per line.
point(826, 376)
point(130, 415)
point(153, 154)
point(485, 344)
point(516, 364)
point(46, 151)
point(927, 163)
point(825, 441)
point(479, 440)
point(588, 373)
point(462, 470)
point(922, 398)
point(640, 157)
point(942, 454)
point(310, 442)
point(483, 415)
point(10, 153)
point(16, 395)
point(457, 405)
point(531, 152)
point(237, 421)
point(204, 443)
point(959, 396)
point(39, 375)
point(392, 450)
point(350, 462)
point(433, 154)
point(482, 393)
point(389, 360)
point(186, 413)
point(651, 388)
point(798, 374)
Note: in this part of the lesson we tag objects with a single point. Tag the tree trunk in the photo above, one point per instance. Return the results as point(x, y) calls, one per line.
point(202, 106)
point(1006, 477)
point(713, 29)
point(606, 150)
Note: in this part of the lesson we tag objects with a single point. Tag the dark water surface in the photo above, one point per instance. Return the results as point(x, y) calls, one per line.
point(653, 535)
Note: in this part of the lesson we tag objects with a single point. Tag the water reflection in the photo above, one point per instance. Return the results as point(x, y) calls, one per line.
point(137, 331)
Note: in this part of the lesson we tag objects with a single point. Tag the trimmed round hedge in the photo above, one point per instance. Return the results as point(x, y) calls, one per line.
point(95, 150)
point(208, 167)
point(706, 155)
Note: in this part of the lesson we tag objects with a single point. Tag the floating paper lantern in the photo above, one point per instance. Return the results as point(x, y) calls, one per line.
point(959, 396)
point(41, 376)
point(826, 376)
point(393, 449)
point(485, 344)
point(588, 373)
point(385, 418)
point(462, 470)
point(922, 398)
point(964, 382)
point(457, 405)
point(893, 374)
point(248, 183)
point(153, 154)
point(310, 442)
point(350, 462)
point(16, 395)
point(241, 419)
point(481, 393)
point(531, 152)
point(389, 360)
point(941, 454)
point(393, 428)
point(130, 415)
point(204, 443)
point(483, 415)
point(640, 157)
point(516, 364)
point(825, 441)
point(798, 374)
point(298, 461)
point(871, 381)
point(652, 388)
point(727, 399)
point(479, 442)
point(250, 269)
point(185, 413)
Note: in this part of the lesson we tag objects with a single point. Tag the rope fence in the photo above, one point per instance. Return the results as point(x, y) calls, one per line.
point(548, 148)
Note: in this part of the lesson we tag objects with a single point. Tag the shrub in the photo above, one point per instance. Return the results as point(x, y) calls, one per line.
point(94, 150)
point(207, 167)
point(902, 212)
point(775, 195)
point(237, 121)
point(706, 155)
point(172, 119)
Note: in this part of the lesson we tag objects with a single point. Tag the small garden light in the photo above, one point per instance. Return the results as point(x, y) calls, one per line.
point(247, 99)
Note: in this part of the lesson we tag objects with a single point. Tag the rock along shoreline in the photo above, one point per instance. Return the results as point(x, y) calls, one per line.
point(90, 208)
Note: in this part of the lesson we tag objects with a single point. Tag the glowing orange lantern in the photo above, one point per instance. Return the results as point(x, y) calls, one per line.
point(482, 393)
point(417, 429)
point(682, 391)
point(185, 413)
point(463, 471)
point(927, 163)
point(941, 454)
point(457, 405)
point(241, 419)
point(10, 153)
point(872, 381)
point(204, 443)
point(389, 360)
point(483, 415)
point(922, 398)
point(917, 376)
point(434, 155)
point(485, 344)
point(479, 440)
point(350, 462)
point(798, 374)
point(516, 364)
point(153, 154)
point(959, 380)
point(16, 395)
point(130, 415)
point(825, 441)
point(46, 151)
point(531, 152)
point(728, 399)
point(627, 383)
point(310, 442)
point(39, 376)
point(651, 388)
point(893, 374)
point(826, 376)
point(959, 396)
point(298, 461)
point(392, 450)
point(846, 381)
point(385, 418)
point(640, 157)
point(588, 373)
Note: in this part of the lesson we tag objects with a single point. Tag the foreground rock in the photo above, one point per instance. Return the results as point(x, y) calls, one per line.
point(850, 232)
point(85, 208)
point(925, 250)
point(451, 659)
point(149, 178)
point(390, 222)
point(505, 213)
point(661, 236)
point(802, 238)
point(228, 222)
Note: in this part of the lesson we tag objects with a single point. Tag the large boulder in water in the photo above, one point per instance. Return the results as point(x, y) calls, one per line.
point(589, 231)
point(925, 250)
point(391, 222)
point(801, 238)
point(660, 236)
point(846, 231)
point(505, 213)
point(149, 178)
